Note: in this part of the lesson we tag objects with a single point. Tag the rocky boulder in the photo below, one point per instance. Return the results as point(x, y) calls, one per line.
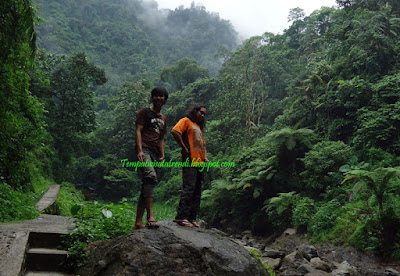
point(170, 250)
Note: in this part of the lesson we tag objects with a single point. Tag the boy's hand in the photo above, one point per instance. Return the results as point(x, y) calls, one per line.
point(185, 151)
point(141, 156)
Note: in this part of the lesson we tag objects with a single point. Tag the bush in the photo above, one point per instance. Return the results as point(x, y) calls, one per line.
point(169, 191)
point(364, 237)
point(322, 165)
point(16, 204)
point(346, 223)
point(68, 197)
point(98, 221)
point(280, 209)
point(302, 213)
point(95, 221)
point(324, 220)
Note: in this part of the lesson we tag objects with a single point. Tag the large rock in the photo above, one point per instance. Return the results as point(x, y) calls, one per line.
point(170, 250)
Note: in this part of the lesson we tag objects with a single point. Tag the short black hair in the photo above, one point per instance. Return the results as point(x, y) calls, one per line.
point(159, 91)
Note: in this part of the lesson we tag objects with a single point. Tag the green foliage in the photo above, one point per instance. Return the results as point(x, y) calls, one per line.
point(331, 76)
point(257, 256)
point(280, 209)
point(321, 164)
point(378, 127)
point(352, 217)
point(324, 219)
point(16, 204)
point(376, 182)
point(382, 197)
point(353, 165)
point(258, 176)
point(183, 72)
point(364, 237)
point(380, 158)
point(290, 144)
point(302, 213)
point(23, 138)
point(120, 182)
point(169, 191)
point(130, 99)
point(67, 198)
point(71, 113)
point(134, 40)
point(95, 221)
point(99, 221)
point(232, 209)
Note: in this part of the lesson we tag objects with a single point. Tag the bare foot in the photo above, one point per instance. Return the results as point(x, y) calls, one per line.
point(183, 222)
point(139, 226)
point(194, 223)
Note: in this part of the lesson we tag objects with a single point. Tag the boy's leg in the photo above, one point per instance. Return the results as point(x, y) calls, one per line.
point(188, 187)
point(149, 208)
point(148, 182)
point(141, 207)
point(195, 203)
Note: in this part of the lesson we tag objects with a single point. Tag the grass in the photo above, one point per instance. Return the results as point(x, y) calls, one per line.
point(163, 211)
point(18, 204)
point(68, 197)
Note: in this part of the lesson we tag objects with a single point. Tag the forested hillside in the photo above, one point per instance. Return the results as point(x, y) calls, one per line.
point(133, 39)
point(310, 116)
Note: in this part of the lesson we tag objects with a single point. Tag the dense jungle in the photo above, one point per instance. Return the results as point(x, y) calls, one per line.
point(310, 117)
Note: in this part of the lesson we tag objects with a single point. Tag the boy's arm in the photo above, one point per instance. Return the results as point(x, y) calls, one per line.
point(162, 157)
point(138, 138)
point(179, 140)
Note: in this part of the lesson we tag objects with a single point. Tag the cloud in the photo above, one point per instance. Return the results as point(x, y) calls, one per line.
point(253, 17)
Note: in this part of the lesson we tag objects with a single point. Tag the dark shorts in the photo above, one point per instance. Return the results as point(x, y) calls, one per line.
point(149, 174)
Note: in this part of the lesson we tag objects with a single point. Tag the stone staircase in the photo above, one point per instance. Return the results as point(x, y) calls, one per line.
point(32, 247)
point(43, 256)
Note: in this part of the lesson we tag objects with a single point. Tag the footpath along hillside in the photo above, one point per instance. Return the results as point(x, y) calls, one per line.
point(32, 244)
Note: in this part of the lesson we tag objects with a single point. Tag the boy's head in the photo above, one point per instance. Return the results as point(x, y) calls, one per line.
point(159, 91)
point(196, 113)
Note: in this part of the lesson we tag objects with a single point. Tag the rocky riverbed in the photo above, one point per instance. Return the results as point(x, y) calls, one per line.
point(292, 254)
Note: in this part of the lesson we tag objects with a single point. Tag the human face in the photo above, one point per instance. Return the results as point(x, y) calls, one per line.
point(201, 114)
point(158, 100)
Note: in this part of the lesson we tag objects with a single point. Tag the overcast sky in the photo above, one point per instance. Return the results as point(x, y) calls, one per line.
point(252, 17)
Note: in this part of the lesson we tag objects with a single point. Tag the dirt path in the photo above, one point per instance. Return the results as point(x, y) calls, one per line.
point(14, 236)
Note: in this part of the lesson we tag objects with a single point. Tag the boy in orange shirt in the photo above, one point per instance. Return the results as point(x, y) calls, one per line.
point(188, 133)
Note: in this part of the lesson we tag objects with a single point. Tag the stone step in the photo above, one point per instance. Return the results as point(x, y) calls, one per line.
point(47, 251)
point(45, 240)
point(45, 259)
point(46, 273)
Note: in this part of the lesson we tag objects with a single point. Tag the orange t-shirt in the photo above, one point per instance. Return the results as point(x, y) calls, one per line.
point(193, 138)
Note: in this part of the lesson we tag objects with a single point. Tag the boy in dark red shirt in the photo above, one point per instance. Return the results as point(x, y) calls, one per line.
point(151, 126)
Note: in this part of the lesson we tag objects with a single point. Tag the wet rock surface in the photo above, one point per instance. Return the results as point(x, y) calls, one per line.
point(292, 254)
point(170, 250)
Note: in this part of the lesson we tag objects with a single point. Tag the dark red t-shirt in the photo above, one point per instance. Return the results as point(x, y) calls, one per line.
point(154, 128)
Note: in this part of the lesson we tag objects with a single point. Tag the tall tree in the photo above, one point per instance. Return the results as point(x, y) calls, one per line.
point(71, 111)
point(22, 132)
point(183, 72)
